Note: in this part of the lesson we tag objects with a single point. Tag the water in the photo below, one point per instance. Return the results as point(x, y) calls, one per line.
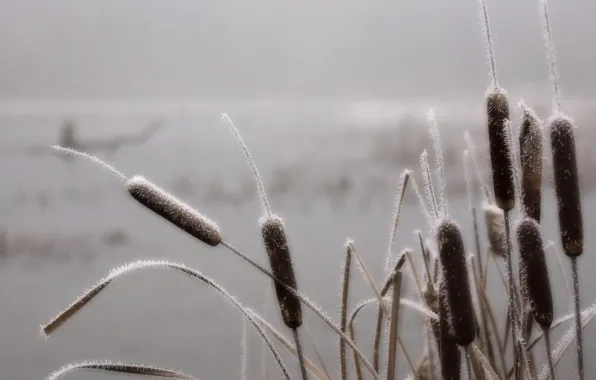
point(67, 223)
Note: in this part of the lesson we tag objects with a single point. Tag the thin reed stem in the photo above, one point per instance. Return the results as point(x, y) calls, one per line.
point(578, 327)
point(253, 166)
point(429, 187)
point(312, 368)
point(344, 310)
point(551, 367)
point(440, 169)
point(468, 363)
point(489, 45)
point(244, 354)
point(478, 272)
point(557, 254)
point(73, 152)
point(512, 299)
point(300, 354)
point(401, 192)
point(377, 293)
point(425, 257)
point(551, 56)
point(317, 352)
point(393, 328)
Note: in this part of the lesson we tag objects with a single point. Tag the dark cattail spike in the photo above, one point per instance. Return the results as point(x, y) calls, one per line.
point(530, 155)
point(173, 210)
point(455, 271)
point(500, 157)
point(449, 354)
point(567, 184)
point(278, 252)
point(534, 272)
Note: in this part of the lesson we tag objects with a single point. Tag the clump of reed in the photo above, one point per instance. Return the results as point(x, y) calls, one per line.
point(454, 304)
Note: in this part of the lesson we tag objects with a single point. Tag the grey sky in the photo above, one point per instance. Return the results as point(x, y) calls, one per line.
point(164, 49)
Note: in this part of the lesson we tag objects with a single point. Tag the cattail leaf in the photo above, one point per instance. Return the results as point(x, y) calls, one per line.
point(143, 264)
point(122, 368)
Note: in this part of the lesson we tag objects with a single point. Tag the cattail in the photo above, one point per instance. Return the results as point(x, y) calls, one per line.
point(502, 169)
point(173, 210)
point(495, 229)
point(534, 272)
point(459, 299)
point(449, 353)
point(530, 153)
point(276, 245)
point(567, 185)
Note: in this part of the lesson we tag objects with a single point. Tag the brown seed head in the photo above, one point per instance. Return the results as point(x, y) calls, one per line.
point(502, 169)
point(567, 185)
point(449, 353)
point(455, 272)
point(173, 210)
point(535, 281)
point(530, 153)
point(278, 252)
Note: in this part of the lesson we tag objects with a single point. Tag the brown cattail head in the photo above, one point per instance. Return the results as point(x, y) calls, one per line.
point(276, 245)
point(173, 210)
point(455, 272)
point(534, 272)
point(495, 228)
point(449, 353)
point(502, 169)
point(567, 185)
point(530, 153)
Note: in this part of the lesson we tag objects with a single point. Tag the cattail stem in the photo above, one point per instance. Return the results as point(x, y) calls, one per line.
point(489, 44)
point(578, 325)
point(512, 300)
point(468, 363)
point(551, 366)
point(344, 311)
point(300, 354)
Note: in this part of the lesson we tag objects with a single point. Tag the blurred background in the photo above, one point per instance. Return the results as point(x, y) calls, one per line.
point(332, 99)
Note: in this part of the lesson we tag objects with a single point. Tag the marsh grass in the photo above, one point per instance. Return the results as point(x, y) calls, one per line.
point(457, 314)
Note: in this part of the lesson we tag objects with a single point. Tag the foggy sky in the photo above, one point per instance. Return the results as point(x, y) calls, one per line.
point(171, 49)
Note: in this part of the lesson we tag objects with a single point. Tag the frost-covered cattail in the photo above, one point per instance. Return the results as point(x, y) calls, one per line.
point(173, 210)
point(567, 185)
point(455, 272)
point(535, 281)
point(449, 353)
point(530, 154)
point(278, 252)
point(495, 229)
point(500, 157)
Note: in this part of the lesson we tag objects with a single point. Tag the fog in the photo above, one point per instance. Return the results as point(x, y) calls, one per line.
point(209, 49)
